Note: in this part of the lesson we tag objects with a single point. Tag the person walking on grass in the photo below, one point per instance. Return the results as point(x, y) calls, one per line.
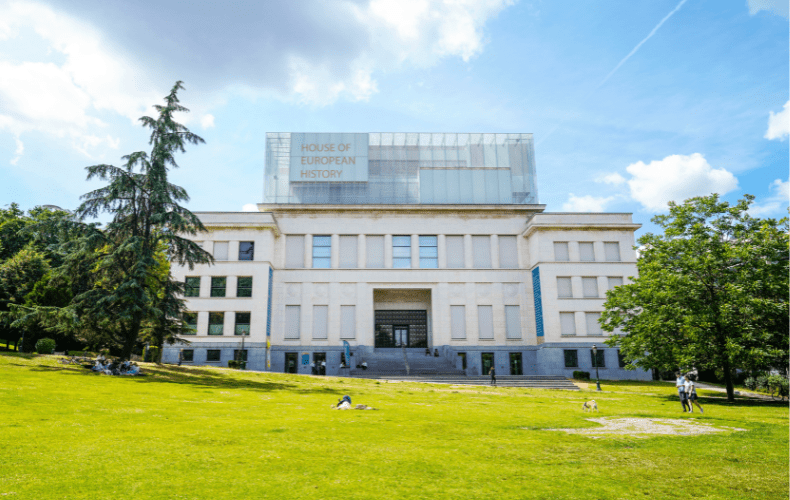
point(691, 394)
point(680, 383)
point(492, 372)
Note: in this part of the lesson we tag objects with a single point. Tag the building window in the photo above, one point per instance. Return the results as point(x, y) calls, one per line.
point(512, 322)
point(564, 288)
point(455, 252)
point(458, 322)
point(292, 318)
point(401, 252)
point(567, 323)
point(615, 281)
point(348, 322)
point(612, 251)
point(593, 327)
point(429, 254)
point(187, 355)
point(590, 287)
point(213, 355)
point(190, 321)
point(240, 355)
point(485, 322)
point(294, 251)
point(322, 252)
point(620, 359)
point(508, 252)
point(481, 252)
point(571, 358)
point(192, 287)
point(561, 251)
point(348, 251)
point(586, 252)
point(244, 286)
point(320, 316)
point(220, 250)
point(600, 362)
point(375, 250)
point(246, 250)
point(218, 286)
point(242, 323)
point(215, 322)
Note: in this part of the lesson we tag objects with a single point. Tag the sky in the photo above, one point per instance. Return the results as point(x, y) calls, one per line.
point(632, 104)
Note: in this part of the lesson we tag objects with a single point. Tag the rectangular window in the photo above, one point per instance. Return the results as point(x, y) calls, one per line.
point(429, 254)
point(620, 359)
point(292, 318)
point(615, 281)
point(593, 327)
point(190, 321)
point(564, 288)
point(192, 286)
point(455, 252)
point(348, 252)
point(240, 354)
point(294, 251)
point(187, 355)
point(375, 250)
point(218, 286)
point(481, 252)
point(213, 355)
point(401, 252)
point(600, 362)
point(244, 286)
point(512, 322)
point(571, 358)
point(590, 287)
point(242, 323)
point(322, 252)
point(348, 322)
point(320, 316)
point(220, 250)
point(612, 251)
point(246, 250)
point(567, 323)
point(458, 322)
point(215, 323)
point(508, 252)
point(586, 252)
point(561, 251)
point(485, 322)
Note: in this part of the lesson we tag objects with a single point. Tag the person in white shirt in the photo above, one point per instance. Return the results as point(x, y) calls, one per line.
point(680, 383)
point(691, 394)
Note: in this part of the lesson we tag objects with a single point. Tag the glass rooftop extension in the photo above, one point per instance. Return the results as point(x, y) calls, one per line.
point(399, 168)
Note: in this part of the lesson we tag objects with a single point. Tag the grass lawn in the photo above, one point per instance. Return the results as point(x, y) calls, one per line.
point(207, 433)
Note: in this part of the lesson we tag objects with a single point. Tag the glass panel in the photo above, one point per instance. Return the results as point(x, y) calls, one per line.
point(246, 250)
point(429, 252)
point(401, 241)
point(240, 354)
point(429, 264)
point(322, 241)
point(401, 263)
point(571, 359)
point(188, 355)
point(598, 360)
point(322, 262)
point(192, 287)
point(213, 355)
point(322, 251)
point(428, 241)
point(218, 287)
point(215, 329)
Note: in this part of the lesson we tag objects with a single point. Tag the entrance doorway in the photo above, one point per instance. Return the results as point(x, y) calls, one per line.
point(319, 358)
point(290, 362)
point(462, 355)
point(486, 361)
point(401, 334)
point(515, 363)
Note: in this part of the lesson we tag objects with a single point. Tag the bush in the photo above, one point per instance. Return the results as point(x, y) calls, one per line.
point(232, 363)
point(750, 383)
point(152, 356)
point(45, 346)
point(762, 382)
point(777, 384)
point(580, 375)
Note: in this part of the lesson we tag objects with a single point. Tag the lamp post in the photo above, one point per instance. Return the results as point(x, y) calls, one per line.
point(597, 378)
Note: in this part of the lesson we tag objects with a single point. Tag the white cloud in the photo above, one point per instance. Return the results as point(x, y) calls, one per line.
point(776, 204)
point(778, 7)
point(614, 178)
point(676, 178)
point(207, 121)
point(586, 203)
point(249, 207)
point(20, 149)
point(779, 123)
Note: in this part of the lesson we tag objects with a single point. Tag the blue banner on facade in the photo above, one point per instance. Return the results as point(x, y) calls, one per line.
point(347, 348)
point(538, 301)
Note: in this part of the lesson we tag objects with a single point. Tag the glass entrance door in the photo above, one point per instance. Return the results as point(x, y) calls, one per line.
point(515, 363)
point(401, 334)
point(486, 361)
point(290, 362)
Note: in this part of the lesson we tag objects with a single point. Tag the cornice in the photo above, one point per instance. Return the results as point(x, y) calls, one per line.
point(297, 209)
point(580, 226)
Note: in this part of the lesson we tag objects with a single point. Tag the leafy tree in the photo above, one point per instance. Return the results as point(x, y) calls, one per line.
point(712, 292)
point(18, 277)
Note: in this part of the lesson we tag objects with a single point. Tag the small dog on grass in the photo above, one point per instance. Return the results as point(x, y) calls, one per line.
point(590, 405)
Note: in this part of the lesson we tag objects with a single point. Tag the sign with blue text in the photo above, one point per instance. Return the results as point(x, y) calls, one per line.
point(329, 157)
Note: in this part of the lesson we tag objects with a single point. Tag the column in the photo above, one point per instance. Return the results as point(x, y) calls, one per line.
point(233, 250)
point(308, 251)
point(415, 251)
point(362, 251)
point(468, 260)
point(388, 251)
point(573, 251)
point(494, 251)
point(335, 251)
point(264, 247)
point(441, 247)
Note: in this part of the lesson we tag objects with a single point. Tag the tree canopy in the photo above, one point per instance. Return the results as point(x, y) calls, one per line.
point(712, 292)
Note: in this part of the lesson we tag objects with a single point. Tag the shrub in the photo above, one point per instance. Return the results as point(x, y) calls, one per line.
point(232, 363)
point(580, 375)
point(778, 384)
point(762, 382)
point(152, 355)
point(45, 346)
point(750, 383)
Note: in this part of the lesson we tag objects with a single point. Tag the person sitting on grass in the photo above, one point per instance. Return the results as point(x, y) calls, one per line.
point(344, 403)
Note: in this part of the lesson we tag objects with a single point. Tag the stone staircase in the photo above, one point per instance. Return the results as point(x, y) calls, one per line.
point(523, 381)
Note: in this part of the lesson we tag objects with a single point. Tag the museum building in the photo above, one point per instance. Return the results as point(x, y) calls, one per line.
point(374, 244)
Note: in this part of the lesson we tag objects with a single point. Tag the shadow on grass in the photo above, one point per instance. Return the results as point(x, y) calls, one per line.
point(740, 401)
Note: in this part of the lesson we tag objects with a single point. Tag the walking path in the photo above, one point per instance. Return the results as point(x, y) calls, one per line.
point(748, 394)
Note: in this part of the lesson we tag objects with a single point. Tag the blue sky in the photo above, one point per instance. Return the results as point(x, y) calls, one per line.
point(632, 104)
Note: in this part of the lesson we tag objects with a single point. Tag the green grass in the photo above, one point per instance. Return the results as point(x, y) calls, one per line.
point(205, 433)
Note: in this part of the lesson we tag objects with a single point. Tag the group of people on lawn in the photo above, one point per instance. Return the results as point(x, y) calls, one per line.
point(114, 367)
point(687, 392)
